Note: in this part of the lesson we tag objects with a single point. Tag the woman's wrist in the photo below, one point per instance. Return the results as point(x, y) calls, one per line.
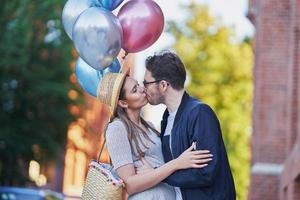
point(175, 164)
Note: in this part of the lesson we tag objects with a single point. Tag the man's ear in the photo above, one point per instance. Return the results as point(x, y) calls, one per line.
point(122, 104)
point(163, 85)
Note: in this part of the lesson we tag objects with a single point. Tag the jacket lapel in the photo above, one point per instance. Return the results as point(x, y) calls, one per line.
point(184, 101)
point(163, 123)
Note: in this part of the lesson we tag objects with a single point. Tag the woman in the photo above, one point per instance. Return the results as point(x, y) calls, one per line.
point(132, 142)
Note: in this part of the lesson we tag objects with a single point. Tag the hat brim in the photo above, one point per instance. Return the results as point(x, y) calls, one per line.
point(109, 89)
point(116, 93)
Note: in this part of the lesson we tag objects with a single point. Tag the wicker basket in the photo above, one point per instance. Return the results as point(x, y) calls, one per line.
point(102, 183)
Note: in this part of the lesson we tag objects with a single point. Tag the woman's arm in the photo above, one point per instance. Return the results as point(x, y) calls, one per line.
point(139, 182)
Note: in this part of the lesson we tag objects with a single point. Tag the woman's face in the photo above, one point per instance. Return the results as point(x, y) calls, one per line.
point(135, 95)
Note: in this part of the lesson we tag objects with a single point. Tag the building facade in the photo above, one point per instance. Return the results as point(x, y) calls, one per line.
point(275, 165)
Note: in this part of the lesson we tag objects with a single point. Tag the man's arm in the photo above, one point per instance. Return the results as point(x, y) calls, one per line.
point(205, 130)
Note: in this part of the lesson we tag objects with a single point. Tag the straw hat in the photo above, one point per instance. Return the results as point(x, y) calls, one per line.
point(108, 90)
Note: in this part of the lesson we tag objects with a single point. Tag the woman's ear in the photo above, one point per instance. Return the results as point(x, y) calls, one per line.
point(122, 104)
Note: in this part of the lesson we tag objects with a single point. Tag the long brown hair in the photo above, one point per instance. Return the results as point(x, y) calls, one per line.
point(135, 133)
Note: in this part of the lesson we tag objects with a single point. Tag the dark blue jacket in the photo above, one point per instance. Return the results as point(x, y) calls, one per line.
point(195, 121)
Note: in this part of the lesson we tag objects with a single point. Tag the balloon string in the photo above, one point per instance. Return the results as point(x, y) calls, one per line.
point(123, 61)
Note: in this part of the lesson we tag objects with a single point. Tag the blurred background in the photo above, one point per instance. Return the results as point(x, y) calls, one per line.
point(242, 59)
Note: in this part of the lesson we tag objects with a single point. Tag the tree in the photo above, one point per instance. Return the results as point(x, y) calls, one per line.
point(220, 72)
point(35, 72)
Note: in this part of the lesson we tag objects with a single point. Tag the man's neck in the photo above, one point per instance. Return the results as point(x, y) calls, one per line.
point(173, 99)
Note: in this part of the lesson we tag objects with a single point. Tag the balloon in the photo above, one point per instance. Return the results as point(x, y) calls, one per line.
point(142, 22)
point(110, 4)
point(114, 67)
point(71, 11)
point(97, 36)
point(89, 78)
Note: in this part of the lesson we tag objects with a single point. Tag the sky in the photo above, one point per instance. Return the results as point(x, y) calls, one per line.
point(231, 12)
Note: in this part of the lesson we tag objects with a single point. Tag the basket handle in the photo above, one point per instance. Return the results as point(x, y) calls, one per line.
point(101, 151)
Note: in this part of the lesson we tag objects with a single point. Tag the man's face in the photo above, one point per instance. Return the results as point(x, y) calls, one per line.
point(154, 95)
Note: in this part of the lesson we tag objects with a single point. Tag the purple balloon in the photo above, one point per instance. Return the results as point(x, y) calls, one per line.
point(142, 22)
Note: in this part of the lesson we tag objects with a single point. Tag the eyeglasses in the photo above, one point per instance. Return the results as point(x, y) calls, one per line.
point(147, 83)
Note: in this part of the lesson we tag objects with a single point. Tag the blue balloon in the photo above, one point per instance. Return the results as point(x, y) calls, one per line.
point(110, 4)
point(89, 78)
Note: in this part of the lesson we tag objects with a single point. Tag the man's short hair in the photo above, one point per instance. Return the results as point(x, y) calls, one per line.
point(167, 66)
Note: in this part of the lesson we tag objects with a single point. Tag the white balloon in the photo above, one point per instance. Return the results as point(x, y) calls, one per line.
point(72, 10)
point(97, 36)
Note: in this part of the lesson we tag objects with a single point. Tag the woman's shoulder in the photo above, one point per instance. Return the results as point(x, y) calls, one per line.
point(152, 128)
point(116, 128)
point(116, 123)
point(150, 124)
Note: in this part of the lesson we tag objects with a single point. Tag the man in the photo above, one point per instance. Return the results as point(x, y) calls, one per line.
point(187, 120)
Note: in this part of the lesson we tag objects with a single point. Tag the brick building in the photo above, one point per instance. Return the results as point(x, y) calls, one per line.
point(275, 167)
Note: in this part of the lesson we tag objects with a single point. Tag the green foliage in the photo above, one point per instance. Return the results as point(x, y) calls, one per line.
point(220, 69)
point(34, 85)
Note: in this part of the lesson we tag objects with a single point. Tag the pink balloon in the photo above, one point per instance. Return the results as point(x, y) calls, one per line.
point(142, 22)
